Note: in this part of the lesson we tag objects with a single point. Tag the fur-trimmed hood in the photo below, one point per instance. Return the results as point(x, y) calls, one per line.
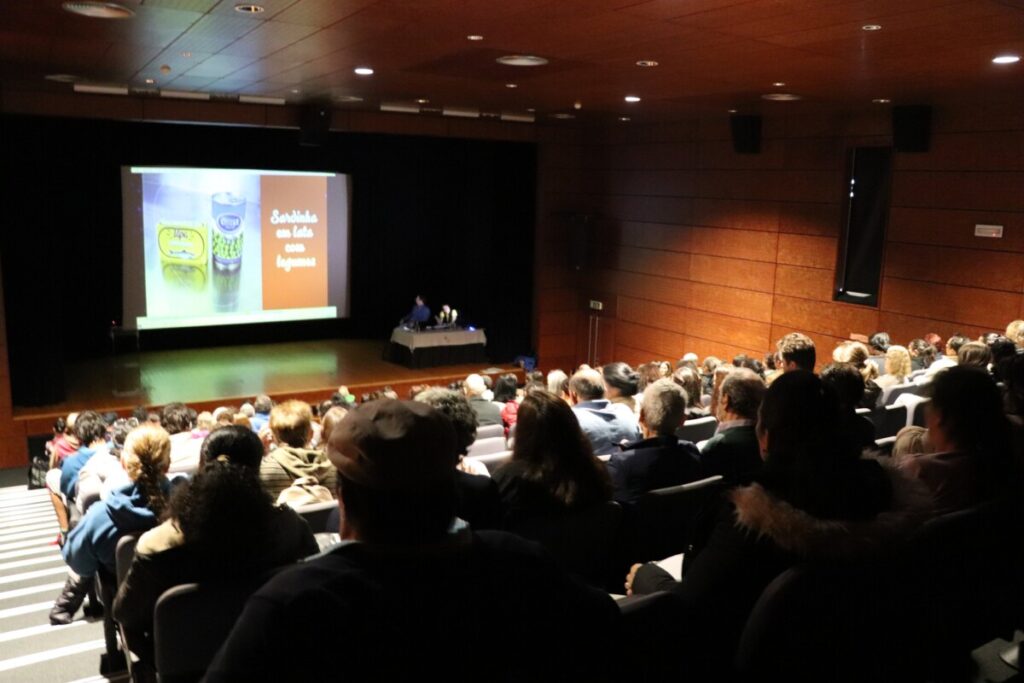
point(799, 532)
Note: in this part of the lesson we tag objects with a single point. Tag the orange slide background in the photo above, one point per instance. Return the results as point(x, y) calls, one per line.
point(301, 287)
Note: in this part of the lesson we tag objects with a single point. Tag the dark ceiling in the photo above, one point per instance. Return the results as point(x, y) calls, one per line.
point(712, 54)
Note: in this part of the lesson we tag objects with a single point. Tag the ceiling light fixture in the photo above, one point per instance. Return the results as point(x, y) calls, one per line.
point(521, 60)
point(184, 95)
point(624, 118)
point(781, 97)
point(474, 37)
point(150, 81)
point(511, 85)
point(248, 8)
point(100, 89)
point(518, 118)
point(563, 116)
point(646, 62)
point(259, 99)
point(531, 109)
point(186, 54)
point(422, 100)
point(871, 27)
point(779, 84)
point(461, 112)
point(295, 91)
point(632, 99)
point(363, 71)
point(399, 108)
point(348, 98)
point(731, 111)
point(98, 10)
point(881, 100)
point(1006, 59)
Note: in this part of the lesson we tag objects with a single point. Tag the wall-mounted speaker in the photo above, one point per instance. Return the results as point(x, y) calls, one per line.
point(746, 133)
point(911, 128)
point(314, 124)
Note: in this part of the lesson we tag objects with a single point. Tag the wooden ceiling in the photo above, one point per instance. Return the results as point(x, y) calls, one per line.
point(712, 54)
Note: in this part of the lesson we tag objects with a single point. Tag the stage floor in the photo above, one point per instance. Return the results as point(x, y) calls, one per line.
point(230, 375)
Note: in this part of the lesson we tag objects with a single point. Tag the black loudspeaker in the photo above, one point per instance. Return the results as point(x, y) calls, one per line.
point(911, 128)
point(314, 124)
point(746, 133)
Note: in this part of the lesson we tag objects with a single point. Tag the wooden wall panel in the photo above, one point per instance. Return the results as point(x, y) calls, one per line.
point(980, 307)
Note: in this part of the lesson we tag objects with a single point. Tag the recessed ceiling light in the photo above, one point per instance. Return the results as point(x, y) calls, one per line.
point(779, 84)
point(731, 111)
point(531, 109)
point(348, 98)
point(781, 97)
point(632, 99)
point(646, 62)
point(422, 100)
point(186, 54)
point(624, 118)
point(98, 10)
point(474, 36)
point(511, 85)
point(871, 27)
point(165, 69)
point(363, 71)
point(563, 116)
point(881, 100)
point(248, 8)
point(522, 60)
point(150, 81)
point(61, 78)
point(1006, 59)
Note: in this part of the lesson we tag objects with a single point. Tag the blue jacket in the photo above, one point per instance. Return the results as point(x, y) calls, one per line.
point(70, 468)
point(94, 540)
point(606, 424)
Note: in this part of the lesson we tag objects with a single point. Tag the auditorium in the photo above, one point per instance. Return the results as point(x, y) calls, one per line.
point(589, 340)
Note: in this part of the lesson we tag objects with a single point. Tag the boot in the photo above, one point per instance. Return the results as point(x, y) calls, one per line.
point(70, 599)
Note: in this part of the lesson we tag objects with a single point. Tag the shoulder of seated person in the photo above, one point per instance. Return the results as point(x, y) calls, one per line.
point(160, 538)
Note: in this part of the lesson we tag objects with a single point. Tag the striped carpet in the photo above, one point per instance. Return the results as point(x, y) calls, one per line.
point(32, 574)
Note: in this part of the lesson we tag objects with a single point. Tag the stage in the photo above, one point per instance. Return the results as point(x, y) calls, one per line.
point(231, 375)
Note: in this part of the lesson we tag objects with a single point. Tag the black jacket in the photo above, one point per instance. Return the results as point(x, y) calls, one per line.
point(733, 453)
point(653, 464)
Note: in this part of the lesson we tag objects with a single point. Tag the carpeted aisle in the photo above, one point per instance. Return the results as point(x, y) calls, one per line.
point(31, 576)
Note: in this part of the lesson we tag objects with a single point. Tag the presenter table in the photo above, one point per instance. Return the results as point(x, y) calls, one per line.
point(431, 348)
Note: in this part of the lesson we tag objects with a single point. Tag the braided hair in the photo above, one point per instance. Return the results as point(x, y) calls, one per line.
point(146, 458)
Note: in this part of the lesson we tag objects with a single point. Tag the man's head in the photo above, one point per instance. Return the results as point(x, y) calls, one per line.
point(935, 340)
point(663, 408)
point(1015, 332)
point(474, 386)
point(797, 352)
point(396, 472)
point(263, 404)
point(879, 342)
point(90, 428)
point(456, 408)
point(176, 418)
point(586, 385)
point(741, 394)
point(292, 423)
point(419, 300)
point(954, 343)
point(847, 382)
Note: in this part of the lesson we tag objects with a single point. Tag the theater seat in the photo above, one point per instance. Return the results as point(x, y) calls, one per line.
point(650, 626)
point(699, 429)
point(890, 394)
point(493, 460)
point(486, 446)
point(488, 431)
point(662, 522)
point(317, 514)
point(889, 421)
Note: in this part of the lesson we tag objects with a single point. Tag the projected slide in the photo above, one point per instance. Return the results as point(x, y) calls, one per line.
point(230, 246)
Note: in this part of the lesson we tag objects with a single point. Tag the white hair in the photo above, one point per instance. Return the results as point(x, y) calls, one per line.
point(474, 385)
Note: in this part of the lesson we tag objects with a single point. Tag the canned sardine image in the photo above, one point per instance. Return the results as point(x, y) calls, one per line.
point(228, 210)
point(182, 244)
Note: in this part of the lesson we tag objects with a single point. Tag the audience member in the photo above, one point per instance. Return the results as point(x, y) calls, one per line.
point(912, 440)
point(1001, 349)
point(879, 344)
point(856, 353)
point(605, 424)
point(558, 384)
point(797, 352)
point(261, 408)
point(506, 390)
point(620, 382)
point(922, 354)
point(660, 459)
point(329, 421)
point(974, 355)
point(848, 385)
point(486, 412)
point(103, 471)
point(689, 380)
point(1015, 332)
point(897, 368)
point(291, 460)
point(648, 373)
point(478, 502)
point(91, 433)
point(707, 375)
point(553, 468)
point(64, 442)
point(177, 420)
point(396, 490)
point(222, 526)
point(970, 435)
point(815, 499)
point(947, 360)
point(733, 452)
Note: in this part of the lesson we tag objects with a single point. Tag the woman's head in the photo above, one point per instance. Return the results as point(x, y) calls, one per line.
point(974, 355)
point(234, 444)
point(146, 457)
point(689, 380)
point(555, 450)
point(897, 362)
point(847, 382)
point(505, 388)
point(619, 380)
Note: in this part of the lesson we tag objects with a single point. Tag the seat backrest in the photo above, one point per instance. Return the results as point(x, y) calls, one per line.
point(699, 429)
point(486, 446)
point(650, 627)
point(124, 554)
point(916, 417)
point(893, 419)
point(190, 623)
point(494, 460)
point(317, 514)
point(488, 431)
point(661, 522)
point(584, 541)
point(890, 394)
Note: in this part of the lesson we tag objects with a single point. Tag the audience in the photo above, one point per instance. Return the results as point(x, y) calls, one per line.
point(689, 380)
point(922, 354)
point(734, 452)
point(487, 413)
point(856, 354)
point(222, 526)
point(178, 419)
point(605, 424)
point(621, 382)
point(947, 360)
point(260, 416)
point(660, 459)
point(974, 355)
point(558, 384)
point(796, 352)
point(91, 433)
point(291, 461)
point(897, 368)
point(847, 384)
point(879, 344)
point(553, 469)
point(506, 391)
point(406, 575)
point(970, 436)
point(1015, 332)
point(814, 499)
